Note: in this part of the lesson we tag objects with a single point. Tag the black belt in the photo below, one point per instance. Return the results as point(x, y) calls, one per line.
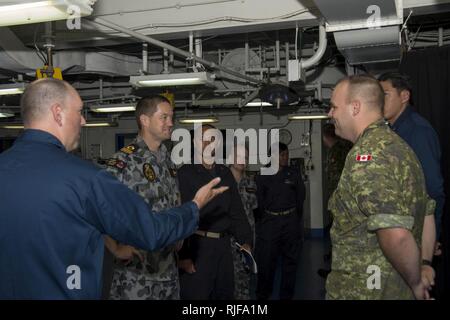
point(281, 213)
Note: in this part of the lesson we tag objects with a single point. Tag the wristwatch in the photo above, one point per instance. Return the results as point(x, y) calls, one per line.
point(426, 262)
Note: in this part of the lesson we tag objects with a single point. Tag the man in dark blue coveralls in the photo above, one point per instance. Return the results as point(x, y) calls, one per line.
point(278, 233)
point(55, 207)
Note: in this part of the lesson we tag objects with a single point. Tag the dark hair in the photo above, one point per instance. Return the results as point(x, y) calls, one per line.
point(399, 81)
point(148, 106)
point(329, 130)
point(281, 147)
point(40, 95)
point(208, 125)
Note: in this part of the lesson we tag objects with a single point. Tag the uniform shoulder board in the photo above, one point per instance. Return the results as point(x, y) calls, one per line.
point(115, 163)
point(129, 149)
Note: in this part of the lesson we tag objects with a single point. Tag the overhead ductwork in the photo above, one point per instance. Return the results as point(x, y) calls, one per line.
point(16, 57)
point(365, 31)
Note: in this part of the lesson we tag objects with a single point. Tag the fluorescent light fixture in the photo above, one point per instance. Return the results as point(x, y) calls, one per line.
point(112, 108)
point(12, 88)
point(11, 126)
point(33, 11)
point(172, 79)
point(5, 114)
point(210, 119)
point(89, 125)
point(96, 124)
point(308, 116)
point(258, 103)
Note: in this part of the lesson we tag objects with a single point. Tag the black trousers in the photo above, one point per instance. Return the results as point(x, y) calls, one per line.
point(275, 236)
point(214, 279)
point(107, 273)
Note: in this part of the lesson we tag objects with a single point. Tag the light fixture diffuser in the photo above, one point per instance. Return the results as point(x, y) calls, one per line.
point(308, 117)
point(97, 124)
point(5, 114)
point(258, 103)
point(172, 79)
point(112, 108)
point(12, 88)
point(11, 126)
point(41, 11)
point(190, 120)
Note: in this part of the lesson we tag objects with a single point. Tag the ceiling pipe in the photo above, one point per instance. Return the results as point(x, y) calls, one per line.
point(165, 61)
point(305, 64)
point(173, 49)
point(191, 51)
point(198, 50)
point(145, 58)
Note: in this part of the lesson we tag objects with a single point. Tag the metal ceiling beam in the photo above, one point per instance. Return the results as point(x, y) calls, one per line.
point(172, 49)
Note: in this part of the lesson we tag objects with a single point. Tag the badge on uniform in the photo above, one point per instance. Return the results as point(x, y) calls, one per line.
point(173, 172)
point(149, 173)
point(128, 149)
point(119, 164)
point(363, 157)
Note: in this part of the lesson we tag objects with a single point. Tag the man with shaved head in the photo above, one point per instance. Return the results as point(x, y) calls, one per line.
point(55, 207)
point(379, 205)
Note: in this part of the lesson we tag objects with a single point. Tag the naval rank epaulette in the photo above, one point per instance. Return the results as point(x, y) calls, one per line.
point(119, 164)
point(129, 149)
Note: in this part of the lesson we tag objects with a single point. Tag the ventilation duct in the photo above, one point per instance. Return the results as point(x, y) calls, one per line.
point(365, 31)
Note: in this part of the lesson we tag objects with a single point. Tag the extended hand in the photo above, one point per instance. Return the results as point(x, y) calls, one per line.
point(124, 252)
point(207, 193)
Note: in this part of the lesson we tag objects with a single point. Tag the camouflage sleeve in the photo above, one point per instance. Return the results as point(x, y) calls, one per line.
point(247, 192)
point(239, 222)
point(379, 194)
point(116, 165)
point(431, 207)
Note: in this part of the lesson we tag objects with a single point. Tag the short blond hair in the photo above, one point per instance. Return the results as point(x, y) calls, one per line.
point(40, 95)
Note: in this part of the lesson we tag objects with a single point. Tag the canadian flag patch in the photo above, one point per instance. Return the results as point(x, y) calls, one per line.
point(363, 157)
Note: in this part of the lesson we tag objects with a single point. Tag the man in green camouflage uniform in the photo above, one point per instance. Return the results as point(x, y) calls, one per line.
point(379, 205)
point(247, 191)
point(337, 152)
point(145, 167)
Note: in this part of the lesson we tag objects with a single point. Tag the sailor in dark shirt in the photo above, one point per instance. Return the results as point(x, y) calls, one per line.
point(206, 261)
point(424, 141)
point(418, 133)
point(280, 198)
